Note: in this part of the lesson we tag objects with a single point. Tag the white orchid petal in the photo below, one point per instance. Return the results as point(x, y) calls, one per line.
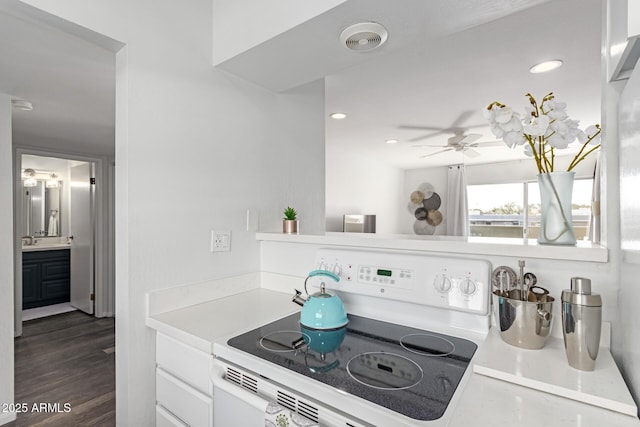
point(591, 130)
point(537, 126)
point(582, 137)
point(496, 130)
point(513, 138)
point(503, 115)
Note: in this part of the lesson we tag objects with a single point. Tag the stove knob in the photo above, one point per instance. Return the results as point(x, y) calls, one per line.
point(468, 287)
point(443, 283)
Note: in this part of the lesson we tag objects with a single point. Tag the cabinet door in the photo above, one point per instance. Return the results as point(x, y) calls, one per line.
point(31, 294)
point(45, 278)
point(55, 279)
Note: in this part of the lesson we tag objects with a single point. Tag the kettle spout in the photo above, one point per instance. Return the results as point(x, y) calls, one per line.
point(298, 299)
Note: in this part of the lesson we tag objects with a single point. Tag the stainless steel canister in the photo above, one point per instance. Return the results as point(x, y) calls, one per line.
point(525, 324)
point(581, 324)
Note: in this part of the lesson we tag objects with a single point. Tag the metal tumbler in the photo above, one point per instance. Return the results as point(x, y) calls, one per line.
point(581, 324)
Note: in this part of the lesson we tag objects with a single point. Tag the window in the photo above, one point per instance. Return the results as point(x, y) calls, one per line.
point(496, 210)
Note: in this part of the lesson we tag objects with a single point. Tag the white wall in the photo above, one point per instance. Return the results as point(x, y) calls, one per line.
point(6, 259)
point(195, 148)
point(239, 25)
point(356, 184)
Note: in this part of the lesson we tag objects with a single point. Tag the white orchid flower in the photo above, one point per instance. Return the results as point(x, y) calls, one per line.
point(513, 138)
point(550, 125)
point(503, 115)
point(582, 137)
point(496, 130)
point(557, 114)
point(537, 126)
point(490, 114)
point(557, 141)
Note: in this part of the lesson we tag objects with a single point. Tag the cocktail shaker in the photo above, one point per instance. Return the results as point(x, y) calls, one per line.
point(581, 324)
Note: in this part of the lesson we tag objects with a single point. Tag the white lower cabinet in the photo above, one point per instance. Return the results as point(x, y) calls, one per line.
point(184, 392)
point(165, 418)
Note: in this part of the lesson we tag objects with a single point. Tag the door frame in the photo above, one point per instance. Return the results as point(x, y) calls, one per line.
point(104, 258)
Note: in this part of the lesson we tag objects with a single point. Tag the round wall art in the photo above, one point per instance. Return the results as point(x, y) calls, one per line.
point(423, 205)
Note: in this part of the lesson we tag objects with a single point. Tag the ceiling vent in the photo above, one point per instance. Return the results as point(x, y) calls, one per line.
point(364, 36)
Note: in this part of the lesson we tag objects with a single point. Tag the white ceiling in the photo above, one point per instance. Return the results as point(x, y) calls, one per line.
point(70, 82)
point(424, 76)
point(434, 82)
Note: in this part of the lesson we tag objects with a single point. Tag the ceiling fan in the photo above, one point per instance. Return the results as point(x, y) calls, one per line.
point(456, 127)
point(464, 143)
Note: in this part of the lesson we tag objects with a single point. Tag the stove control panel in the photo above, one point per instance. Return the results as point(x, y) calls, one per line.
point(447, 282)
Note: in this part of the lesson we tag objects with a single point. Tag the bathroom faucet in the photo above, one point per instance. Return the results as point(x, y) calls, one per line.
point(29, 241)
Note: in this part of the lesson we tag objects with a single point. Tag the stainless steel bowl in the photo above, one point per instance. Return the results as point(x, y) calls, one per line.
point(525, 324)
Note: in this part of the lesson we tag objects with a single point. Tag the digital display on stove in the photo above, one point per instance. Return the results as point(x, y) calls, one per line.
point(407, 370)
point(384, 273)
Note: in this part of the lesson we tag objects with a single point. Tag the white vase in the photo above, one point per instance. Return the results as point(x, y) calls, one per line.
point(556, 226)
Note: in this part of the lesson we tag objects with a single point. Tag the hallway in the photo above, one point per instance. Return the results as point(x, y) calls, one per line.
point(65, 371)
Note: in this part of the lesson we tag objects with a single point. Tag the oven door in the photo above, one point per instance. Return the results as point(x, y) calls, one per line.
point(240, 397)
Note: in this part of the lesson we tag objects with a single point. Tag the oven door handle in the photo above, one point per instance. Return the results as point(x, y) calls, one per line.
point(217, 378)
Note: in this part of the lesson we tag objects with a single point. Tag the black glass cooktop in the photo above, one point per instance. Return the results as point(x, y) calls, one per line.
point(407, 370)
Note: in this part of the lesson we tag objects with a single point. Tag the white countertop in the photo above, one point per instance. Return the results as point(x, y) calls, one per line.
point(202, 324)
point(485, 402)
point(46, 247)
point(547, 370)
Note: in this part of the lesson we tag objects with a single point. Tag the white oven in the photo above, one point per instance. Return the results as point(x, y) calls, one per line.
point(376, 371)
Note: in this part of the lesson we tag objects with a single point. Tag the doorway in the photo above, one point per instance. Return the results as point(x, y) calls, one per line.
point(66, 261)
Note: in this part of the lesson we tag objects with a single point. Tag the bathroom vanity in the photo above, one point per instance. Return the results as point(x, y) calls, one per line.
point(45, 276)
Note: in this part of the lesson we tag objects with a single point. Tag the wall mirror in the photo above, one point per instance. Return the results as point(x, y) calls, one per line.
point(420, 94)
point(42, 209)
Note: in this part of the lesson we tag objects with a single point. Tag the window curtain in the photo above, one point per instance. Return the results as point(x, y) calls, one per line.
point(594, 219)
point(457, 207)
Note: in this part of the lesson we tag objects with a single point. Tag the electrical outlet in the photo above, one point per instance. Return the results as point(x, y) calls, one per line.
point(220, 241)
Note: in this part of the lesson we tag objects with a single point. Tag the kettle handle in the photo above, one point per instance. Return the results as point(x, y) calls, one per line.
point(325, 273)
point(320, 273)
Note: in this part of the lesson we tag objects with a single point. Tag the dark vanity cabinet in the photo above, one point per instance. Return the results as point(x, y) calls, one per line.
point(45, 278)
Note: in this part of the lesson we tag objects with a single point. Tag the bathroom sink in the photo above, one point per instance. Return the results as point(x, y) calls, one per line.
point(45, 246)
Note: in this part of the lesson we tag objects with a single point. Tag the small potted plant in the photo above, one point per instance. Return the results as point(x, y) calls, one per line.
point(290, 221)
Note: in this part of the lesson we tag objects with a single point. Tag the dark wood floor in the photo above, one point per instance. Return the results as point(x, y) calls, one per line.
point(65, 366)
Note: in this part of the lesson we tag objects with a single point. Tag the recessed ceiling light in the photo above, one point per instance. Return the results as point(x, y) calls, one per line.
point(338, 116)
point(391, 141)
point(545, 66)
point(21, 104)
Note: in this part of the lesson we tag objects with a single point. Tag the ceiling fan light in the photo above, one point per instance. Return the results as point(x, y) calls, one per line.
point(546, 66)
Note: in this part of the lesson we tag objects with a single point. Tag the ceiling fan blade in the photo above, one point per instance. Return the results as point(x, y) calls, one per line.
point(437, 152)
point(429, 135)
point(463, 117)
point(469, 138)
point(488, 144)
point(470, 152)
point(428, 145)
point(411, 127)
